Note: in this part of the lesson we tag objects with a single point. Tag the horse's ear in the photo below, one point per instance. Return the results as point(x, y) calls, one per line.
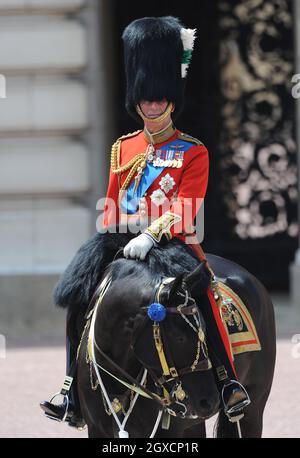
point(176, 284)
point(198, 280)
point(171, 289)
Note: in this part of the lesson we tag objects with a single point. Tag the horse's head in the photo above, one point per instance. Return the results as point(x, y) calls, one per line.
point(174, 349)
point(171, 344)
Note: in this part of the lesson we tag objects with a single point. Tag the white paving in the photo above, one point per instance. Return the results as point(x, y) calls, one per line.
point(31, 374)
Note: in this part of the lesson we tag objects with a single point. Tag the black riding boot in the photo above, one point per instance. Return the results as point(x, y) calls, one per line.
point(69, 409)
point(233, 395)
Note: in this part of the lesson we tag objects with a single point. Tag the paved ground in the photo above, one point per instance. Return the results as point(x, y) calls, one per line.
point(31, 373)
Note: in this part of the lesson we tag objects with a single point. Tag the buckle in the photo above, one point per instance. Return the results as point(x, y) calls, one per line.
point(66, 385)
point(173, 372)
point(221, 373)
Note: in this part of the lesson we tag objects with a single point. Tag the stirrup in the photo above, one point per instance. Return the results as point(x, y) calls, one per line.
point(235, 413)
point(65, 401)
point(65, 389)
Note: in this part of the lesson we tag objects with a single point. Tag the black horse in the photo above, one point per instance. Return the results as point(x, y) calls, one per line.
point(123, 333)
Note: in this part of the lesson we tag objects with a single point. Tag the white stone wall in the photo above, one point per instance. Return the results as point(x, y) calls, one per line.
point(8, 5)
point(40, 235)
point(42, 104)
point(41, 42)
point(39, 166)
point(44, 126)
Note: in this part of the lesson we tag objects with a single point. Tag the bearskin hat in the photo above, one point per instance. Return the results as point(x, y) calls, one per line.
point(157, 51)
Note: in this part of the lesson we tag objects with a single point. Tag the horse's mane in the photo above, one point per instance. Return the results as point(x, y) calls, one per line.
point(171, 260)
point(95, 258)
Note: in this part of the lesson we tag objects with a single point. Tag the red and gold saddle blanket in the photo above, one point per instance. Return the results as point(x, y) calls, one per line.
point(238, 322)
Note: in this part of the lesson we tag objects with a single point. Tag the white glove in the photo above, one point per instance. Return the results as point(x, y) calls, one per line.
point(138, 247)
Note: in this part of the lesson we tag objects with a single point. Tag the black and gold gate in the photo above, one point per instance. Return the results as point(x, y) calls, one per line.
point(239, 104)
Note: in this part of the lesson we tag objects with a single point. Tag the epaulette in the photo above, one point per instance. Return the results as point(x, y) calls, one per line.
point(131, 134)
point(131, 165)
point(189, 138)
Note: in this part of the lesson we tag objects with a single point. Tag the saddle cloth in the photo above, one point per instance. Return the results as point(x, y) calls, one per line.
point(238, 322)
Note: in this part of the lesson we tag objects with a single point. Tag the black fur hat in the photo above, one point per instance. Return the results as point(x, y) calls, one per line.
point(154, 53)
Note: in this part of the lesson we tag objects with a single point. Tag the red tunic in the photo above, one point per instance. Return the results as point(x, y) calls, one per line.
point(184, 188)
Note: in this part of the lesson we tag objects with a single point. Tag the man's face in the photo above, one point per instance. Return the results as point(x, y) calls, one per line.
point(153, 109)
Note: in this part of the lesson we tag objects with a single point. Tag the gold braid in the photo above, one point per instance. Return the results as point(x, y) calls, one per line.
point(138, 162)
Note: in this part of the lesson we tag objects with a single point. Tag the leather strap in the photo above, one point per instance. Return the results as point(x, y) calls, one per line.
point(188, 310)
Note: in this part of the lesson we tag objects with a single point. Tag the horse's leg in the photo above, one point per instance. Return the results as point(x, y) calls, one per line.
point(195, 431)
point(224, 428)
point(177, 430)
point(95, 432)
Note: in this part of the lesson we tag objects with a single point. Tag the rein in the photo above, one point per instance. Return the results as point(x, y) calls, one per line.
point(92, 344)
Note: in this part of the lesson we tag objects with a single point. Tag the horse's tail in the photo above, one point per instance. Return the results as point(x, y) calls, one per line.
point(76, 285)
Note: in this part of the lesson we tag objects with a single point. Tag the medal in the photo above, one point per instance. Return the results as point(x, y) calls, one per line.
point(168, 158)
point(150, 153)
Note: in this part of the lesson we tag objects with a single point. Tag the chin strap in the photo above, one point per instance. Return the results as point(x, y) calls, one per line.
point(159, 118)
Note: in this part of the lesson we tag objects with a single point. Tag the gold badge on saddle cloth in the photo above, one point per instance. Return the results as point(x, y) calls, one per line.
point(239, 323)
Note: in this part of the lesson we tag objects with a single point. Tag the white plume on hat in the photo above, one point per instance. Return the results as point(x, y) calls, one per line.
point(187, 37)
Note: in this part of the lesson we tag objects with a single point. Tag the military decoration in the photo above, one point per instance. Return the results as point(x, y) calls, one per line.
point(167, 183)
point(167, 157)
point(158, 197)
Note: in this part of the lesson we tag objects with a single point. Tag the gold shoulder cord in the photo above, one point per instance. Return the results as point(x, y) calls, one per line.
point(138, 161)
point(190, 139)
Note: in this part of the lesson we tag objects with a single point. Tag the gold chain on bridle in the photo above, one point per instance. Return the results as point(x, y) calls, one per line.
point(201, 343)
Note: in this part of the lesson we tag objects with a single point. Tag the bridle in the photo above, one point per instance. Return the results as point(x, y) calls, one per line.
point(169, 371)
point(171, 398)
point(174, 395)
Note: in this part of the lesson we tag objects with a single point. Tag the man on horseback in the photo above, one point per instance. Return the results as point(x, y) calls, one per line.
point(158, 180)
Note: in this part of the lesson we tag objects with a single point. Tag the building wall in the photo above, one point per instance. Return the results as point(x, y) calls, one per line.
point(55, 131)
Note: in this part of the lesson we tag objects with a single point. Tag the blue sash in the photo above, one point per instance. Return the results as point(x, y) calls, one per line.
point(130, 201)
